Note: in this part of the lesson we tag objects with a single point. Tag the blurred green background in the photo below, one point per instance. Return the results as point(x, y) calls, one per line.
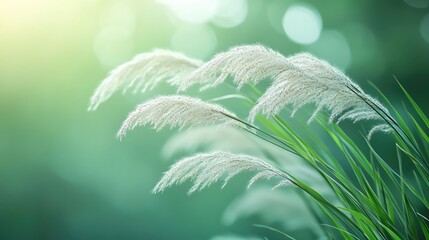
point(64, 175)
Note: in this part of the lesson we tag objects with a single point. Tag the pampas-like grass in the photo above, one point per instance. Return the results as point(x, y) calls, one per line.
point(177, 111)
point(311, 80)
point(204, 169)
point(377, 198)
point(144, 72)
point(246, 64)
point(297, 80)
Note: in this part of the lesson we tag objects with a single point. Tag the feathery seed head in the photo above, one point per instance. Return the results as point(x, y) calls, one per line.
point(144, 72)
point(307, 79)
point(378, 128)
point(205, 169)
point(297, 80)
point(246, 64)
point(177, 111)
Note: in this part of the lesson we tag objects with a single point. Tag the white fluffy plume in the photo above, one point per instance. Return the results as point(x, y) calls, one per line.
point(308, 79)
point(247, 64)
point(177, 111)
point(205, 169)
point(296, 80)
point(144, 72)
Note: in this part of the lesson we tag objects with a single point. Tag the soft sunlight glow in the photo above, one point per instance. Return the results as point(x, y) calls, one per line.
point(17, 15)
point(302, 24)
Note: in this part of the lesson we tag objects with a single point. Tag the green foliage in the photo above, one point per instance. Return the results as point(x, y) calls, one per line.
point(381, 199)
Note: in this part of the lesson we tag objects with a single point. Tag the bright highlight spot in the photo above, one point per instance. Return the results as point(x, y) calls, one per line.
point(424, 28)
point(112, 47)
point(333, 47)
point(120, 15)
point(27, 16)
point(193, 11)
point(114, 42)
point(223, 13)
point(195, 41)
point(302, 24)
point(230, 13)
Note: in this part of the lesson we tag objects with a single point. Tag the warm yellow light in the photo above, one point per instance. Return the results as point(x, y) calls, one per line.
point(21, 13)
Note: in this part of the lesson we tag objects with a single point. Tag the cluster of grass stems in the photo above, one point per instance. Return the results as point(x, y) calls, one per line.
point(380, 198)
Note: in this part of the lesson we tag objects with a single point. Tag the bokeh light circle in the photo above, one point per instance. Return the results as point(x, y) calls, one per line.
point(417, 3)
point(114, 43)
point(334, 47)
point(230, 13)
point(302, 24)
point(193, 11)
point(424, 28)
point(194, 40)
point(112, 46)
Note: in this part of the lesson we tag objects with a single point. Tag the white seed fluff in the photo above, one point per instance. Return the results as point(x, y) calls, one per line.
point(144, 72)
point(297, 80)
point(246, 64)
point(204, 169)
point(177, 111)
point(311, 80)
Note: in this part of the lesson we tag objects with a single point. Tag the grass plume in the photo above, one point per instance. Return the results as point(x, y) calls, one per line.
point(204, 169)
point(144, 72)
point(297, 80)
point(310, 80)
point(177, 111)
point(246, 64)
point(373, 197)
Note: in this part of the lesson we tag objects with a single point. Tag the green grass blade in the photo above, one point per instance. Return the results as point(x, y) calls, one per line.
point(342, 231)
point(420, 129)
point(274, 230)
point(414, 104)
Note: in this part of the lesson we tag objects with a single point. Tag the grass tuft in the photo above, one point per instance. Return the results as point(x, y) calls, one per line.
point(375, 196)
